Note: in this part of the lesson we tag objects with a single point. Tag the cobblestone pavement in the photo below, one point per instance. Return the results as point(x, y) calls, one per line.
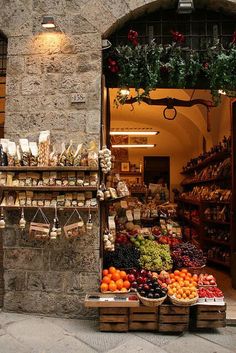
point(35, 334)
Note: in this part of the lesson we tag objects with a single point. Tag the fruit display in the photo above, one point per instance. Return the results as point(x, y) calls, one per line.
point(167, 239)
point(114, 280)
point(210, 294)
point(206, 280)
point(183, 286)
point(187, 255)
point(155, 257)
point(151, 289)
point(138, 277)
point(122, 257)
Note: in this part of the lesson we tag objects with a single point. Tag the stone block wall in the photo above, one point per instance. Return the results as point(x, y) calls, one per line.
point(43, 70)
point(49, 277)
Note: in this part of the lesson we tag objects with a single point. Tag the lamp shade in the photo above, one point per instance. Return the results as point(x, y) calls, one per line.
point(48, 22)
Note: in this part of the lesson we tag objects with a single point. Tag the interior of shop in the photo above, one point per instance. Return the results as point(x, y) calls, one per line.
point(161, 169)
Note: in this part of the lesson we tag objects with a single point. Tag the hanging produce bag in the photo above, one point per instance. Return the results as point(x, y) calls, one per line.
point(76, 229)
point(39, 230)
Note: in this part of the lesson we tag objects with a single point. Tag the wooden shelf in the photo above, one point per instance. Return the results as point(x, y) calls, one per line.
point(214, 158)
point(216, 261)
point(189, 221)
point(190, 201)
point(216, 222)
point(216, 202)
point(211, 180)
point(59, 208)
point(215, 241)
point(47, 169)
point(131, 173)
point(48, 188)
point(117, 199)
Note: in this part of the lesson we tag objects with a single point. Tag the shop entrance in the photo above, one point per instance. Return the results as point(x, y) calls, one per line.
point(198, 145)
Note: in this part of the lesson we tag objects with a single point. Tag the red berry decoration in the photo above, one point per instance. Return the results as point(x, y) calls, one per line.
point(133, 37)
point(113, 65)
point(177, 37)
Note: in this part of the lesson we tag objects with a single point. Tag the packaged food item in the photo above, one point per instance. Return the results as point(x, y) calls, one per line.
point(39, 230)
point(28, 180)
point(22, 179)
point(80, 178)
point(48, 199)
point(3, 152)
point(77, 155)
point(46, 177)
point(44, 148)
point(60, 200)
point(52, 178)
point(93, 179)
point(122, 189)
point(3, 178)
point(72, 178)
point(93, 155)
point(73, 230)
point(84, 157)
point(64, 179)
point(18, 156)
point(29, 197)
point(86, 180)
point(62, 157)
point(41, 199)
point(25, 155)
point(54, 157)
point(22, 198)
point(68, 199)
point(70, 155)
point(10, 179)
point(81, 199)
point(34, 152)
point(11, 153)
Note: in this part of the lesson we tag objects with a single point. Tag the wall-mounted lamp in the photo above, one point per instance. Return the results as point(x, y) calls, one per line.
point(185, 6)
point(48, 22)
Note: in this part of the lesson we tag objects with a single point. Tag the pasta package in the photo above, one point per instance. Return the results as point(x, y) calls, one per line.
point(44, 148)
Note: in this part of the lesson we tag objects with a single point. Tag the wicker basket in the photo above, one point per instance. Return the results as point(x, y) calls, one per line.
point(196, 270)
point(151, 302)
point(182, 302)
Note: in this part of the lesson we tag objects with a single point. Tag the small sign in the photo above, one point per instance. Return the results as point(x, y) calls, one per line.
point(78, 98)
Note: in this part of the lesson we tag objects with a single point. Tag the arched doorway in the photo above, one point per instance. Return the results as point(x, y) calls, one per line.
point(197, 28)
point(3, 59)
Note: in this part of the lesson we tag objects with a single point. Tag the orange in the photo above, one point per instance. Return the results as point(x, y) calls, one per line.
point(104, 287)
point(188, 292)
point(106, 279)
point(180, 291)
point(105, 272)
point(178, 296)
point(170, 292)
point(112, 269)
point(186, 283)
point(184, 270)
point(191, 296)
point(109, 275)
point(172, 275)
point(119, 283)
point(126, 284)
point(184, 296)
point(182, 275)
point(115, 276)
point(118, 271)
point(123, 289)
point(122, 274)
point(176, 272)
point(112, 287)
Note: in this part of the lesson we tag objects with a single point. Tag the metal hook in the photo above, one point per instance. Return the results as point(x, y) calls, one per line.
point(170, 108)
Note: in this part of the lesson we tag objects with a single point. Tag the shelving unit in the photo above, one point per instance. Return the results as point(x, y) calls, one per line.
point(62, 189)
point(205, 241)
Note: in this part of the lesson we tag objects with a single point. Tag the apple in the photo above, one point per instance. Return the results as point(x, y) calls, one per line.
point(131, 278)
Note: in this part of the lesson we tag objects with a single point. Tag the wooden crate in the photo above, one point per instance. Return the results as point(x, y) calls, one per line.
point(208, 316)
point(173, 318)
point(113, 319)
point(143, 318)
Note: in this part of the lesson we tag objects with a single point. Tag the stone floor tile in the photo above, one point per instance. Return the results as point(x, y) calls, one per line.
point(158, 339)
point(194, 344)
point(87, 331)
point(8, 318)
point(36, 332)
point(224, 337)
point(136, 345)
point(70, 345)
point(9, 345)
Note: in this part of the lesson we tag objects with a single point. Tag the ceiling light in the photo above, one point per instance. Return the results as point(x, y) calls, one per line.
point(185, 7)
point(134, 146)
point(135, 133)
point(48, 22)
point(220, 91)
point(124, 91)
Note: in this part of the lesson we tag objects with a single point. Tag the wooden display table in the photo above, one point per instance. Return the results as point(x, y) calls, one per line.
point(127, 315)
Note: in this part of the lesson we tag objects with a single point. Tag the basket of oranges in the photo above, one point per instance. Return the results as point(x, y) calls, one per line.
point(183, 288)
point(114, 281)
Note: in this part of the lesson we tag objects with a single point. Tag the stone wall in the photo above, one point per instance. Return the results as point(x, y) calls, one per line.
point(43, 70)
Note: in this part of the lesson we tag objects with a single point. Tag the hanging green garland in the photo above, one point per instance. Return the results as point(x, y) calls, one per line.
point(147, 67)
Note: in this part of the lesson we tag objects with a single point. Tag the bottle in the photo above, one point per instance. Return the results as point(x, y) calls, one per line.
point(3, 157)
